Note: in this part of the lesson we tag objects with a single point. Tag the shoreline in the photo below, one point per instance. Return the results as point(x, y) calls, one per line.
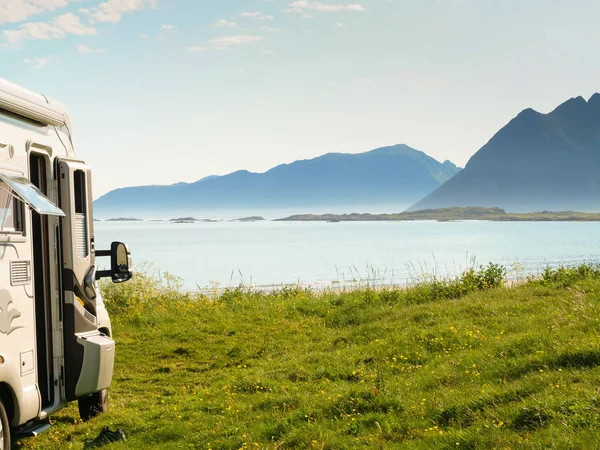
point(450, 215)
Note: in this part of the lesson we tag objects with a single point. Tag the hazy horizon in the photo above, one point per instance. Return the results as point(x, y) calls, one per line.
point(269, 213)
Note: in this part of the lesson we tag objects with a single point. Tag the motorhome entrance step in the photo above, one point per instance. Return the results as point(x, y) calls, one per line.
point(33, 430)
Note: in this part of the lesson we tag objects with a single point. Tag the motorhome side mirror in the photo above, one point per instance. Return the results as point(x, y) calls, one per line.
point(120, 258)
point(120, 263)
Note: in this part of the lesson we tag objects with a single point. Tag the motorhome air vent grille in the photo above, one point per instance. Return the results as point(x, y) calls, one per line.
point(81, 235)
point(20, 273)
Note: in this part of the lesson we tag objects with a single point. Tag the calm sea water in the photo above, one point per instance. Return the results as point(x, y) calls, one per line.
point(267, 253)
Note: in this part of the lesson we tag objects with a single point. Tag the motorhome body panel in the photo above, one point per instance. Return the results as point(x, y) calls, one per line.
point(17, 335)
point(19, 140)
point(18, 345)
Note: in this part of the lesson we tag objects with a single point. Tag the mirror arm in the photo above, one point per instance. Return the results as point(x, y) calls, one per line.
point(103, 253)
point(103, 274)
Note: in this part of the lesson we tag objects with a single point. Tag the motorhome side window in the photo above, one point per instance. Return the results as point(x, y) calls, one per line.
point(11, 211)
point(80, 192)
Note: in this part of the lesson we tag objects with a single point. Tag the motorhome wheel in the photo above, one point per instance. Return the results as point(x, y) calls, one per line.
point(4, 429)
point(95, 404)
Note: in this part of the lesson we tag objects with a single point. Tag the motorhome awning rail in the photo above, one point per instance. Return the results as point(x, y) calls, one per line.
point(27, 104)
point(29, 194)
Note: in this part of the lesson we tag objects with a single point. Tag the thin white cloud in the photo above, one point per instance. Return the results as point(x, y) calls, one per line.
point(257, 15)
point(70, 24)
point(169, 27)
point(300, 6)
point(222, 23)
point(85, 50)
point(13, 11)
point(16, 11)
point(270, 29)
point(58, 28)
point(41, 62)
point(225, 43)
point(229, 41)
point(112, 10)
point(197, 48)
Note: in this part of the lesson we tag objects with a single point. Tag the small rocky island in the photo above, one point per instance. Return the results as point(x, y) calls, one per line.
point(183, 220)
point(249, 219)
point(124, 219)
point(191, 220)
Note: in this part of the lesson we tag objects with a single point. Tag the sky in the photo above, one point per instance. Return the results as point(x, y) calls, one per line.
point(163, 91)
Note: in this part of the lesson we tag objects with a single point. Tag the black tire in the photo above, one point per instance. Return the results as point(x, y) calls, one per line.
point(5, 429)
point(93, 405)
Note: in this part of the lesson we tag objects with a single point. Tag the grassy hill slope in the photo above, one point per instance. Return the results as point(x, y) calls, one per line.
point(447, 364)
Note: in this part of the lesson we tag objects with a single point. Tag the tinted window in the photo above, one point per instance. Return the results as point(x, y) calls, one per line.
point(79, 192)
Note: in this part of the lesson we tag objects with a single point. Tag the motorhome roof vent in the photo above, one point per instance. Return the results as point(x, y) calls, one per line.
point(20, 273)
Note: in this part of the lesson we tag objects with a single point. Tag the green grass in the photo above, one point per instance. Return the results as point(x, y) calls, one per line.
point(464, 363)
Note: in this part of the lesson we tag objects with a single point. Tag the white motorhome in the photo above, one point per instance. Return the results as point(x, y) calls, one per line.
point(55, 334)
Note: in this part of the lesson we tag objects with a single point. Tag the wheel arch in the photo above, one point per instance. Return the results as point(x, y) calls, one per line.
point(8, 400)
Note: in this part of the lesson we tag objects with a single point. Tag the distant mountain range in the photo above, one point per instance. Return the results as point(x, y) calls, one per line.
point(394, 177)
point(536, 162)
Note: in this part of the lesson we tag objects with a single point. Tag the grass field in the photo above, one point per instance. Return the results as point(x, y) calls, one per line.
point(465, 363)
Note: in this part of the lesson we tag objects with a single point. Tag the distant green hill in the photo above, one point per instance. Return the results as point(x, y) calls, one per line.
point(391, 176)
point(536, 162)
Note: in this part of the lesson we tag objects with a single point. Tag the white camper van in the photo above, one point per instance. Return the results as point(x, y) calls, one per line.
point(55, 334)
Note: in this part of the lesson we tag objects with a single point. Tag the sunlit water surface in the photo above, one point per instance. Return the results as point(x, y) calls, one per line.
point(327, 254)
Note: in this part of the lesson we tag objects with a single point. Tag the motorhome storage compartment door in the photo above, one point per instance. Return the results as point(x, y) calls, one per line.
point(31, 195)
point(98, 363)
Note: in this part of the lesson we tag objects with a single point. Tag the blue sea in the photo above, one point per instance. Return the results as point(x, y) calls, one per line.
point(268, 253)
